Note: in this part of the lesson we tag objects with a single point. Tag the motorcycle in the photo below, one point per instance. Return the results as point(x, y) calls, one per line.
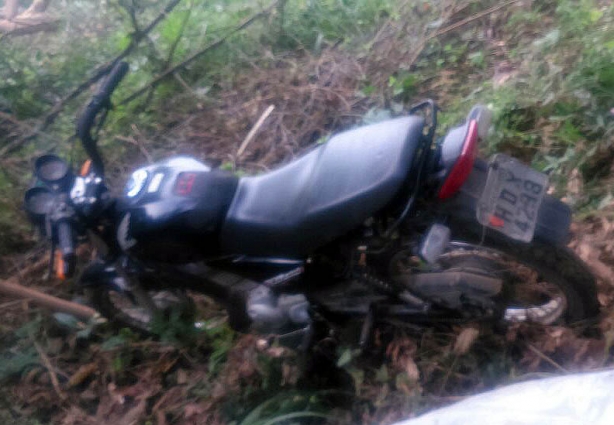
point(385, 221)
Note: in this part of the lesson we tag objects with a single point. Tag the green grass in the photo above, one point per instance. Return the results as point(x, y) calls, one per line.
point(553, 113)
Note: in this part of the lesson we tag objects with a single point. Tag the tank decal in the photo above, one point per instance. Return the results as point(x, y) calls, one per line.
point(155, 183)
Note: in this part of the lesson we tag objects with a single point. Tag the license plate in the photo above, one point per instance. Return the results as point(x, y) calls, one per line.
point(511, 198)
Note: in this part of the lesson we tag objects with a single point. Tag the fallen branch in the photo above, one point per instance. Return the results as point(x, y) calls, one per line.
point(11, 288)
point(547, 359)
point(196, 55)
point(103, 70)
point(27, 26)
point(30, 131)
point(35, 267)
point(435, 34)
point(50, 369)
point(30, 21)
point(473, 18)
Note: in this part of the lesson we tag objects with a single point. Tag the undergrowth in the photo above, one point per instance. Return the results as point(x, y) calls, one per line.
point(544, 68)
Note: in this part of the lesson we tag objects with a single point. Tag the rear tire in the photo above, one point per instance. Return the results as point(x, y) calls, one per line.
point(557, 265)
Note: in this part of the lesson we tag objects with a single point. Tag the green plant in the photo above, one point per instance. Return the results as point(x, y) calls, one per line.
point(286, 408)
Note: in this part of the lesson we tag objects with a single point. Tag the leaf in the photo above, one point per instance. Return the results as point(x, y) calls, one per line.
point(82, 374)
point(435, 24)
point(67, 320)
point(595, 15)
point(358, 376)
point(548, 40)
point(283, 418)
point(477, 59)
point(375, 115)
point(607, 201)
point(411, 369)
point(113, 342)
point(29, 328)
point(346, 357)
point(406, 385)
point(465, 341)
point(18, 363)
point(382, 374)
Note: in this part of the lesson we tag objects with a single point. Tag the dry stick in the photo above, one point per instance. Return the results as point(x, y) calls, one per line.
point(31, 20)
point(546, 358)
point(49, 366)
point(446, 15)
point(23, 127)
point(255, 129)
point(38, 266)
point(196, 55)
point(173, 48)
point(150, 42)
point(11, 288)
point(473, 18)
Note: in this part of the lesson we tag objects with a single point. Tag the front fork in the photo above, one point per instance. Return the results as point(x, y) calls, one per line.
point(121, 276)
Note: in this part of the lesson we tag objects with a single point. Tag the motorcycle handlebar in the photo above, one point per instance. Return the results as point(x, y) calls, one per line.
point(66, 243)
point(118, 72)
point(100, 101)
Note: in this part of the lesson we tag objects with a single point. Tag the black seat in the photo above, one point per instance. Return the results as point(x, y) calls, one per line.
point(303, 205)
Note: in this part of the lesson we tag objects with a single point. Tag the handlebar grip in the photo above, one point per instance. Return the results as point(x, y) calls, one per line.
point(66, 243)
point(99, 101)
point(118, 72)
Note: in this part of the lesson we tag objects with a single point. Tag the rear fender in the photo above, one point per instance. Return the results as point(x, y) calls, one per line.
point(554, 217)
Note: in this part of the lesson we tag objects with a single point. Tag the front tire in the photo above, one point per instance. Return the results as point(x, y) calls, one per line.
point(123, 309)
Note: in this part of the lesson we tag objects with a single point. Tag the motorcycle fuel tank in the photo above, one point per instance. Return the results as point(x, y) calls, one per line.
point(171, 211)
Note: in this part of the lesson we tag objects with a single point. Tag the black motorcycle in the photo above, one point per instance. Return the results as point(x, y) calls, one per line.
point(381, 222)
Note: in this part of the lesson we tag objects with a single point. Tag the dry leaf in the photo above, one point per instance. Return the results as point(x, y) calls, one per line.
point(82, 374)
point(574, 183)
point(411, 369)
point(590, 255)
point(193, 410)
point(465, 341)
point(182, 377)
point(164, 365)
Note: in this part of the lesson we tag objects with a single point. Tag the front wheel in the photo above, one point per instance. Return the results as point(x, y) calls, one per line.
point(141, 312)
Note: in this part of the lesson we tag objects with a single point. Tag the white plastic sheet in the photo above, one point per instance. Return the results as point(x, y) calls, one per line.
point(581, 399)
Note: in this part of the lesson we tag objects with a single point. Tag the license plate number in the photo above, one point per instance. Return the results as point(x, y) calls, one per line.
point(511, 198)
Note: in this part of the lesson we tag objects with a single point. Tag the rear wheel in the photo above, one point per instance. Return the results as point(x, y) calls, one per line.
point(541, 283)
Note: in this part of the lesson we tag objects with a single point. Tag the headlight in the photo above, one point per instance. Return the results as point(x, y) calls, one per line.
point(136, 183)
